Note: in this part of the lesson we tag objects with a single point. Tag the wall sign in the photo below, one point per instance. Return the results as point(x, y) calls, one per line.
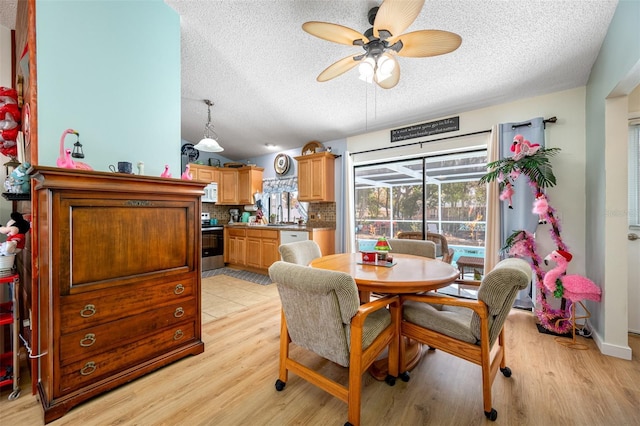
point(426, 129)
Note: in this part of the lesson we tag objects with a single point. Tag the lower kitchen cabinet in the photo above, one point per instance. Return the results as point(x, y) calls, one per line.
point(118, 280)
point(252, 248)
point(256, 248)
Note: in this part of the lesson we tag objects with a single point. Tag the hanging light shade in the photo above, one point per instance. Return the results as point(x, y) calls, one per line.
point(209, 142)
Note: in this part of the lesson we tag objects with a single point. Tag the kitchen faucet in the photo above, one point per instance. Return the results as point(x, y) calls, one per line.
point(279, 215)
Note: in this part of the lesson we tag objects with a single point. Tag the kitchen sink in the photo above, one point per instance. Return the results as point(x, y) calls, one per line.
point(279, 224)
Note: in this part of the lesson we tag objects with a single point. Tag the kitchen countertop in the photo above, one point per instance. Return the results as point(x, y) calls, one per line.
point(309, 227)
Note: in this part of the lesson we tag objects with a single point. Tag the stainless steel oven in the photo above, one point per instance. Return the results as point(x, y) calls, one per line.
point(212, 245)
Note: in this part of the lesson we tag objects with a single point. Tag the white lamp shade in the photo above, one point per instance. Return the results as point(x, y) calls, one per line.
point(208, 145)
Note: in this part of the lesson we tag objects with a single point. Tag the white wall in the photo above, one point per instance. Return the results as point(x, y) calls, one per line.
point(568, 134)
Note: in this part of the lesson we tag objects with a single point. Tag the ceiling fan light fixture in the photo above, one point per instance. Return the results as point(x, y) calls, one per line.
point(367, 69)
point(384, 68)
point(209, 142)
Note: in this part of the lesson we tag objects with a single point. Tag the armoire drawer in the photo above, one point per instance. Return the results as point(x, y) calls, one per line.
point(100, 338)
point(101, 365)
point(83, 310)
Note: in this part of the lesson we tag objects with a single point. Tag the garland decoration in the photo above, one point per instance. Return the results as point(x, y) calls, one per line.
point(534, 163)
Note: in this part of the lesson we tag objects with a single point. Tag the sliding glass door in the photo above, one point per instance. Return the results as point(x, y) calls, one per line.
point(438, 194)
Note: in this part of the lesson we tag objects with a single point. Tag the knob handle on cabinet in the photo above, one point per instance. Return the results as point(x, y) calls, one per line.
point(88, 311)
point(179, 312)
point(88, 368)
point(178, 335)
point(179, 289)
point(88, 340)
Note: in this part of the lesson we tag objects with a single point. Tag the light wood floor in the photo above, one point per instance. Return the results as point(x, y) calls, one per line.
point(232, 382)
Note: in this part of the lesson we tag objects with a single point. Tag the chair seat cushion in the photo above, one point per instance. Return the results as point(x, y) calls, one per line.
point(375, 324)
point(453, 321)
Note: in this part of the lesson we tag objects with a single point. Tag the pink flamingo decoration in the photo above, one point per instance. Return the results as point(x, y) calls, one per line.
point(166, 173)
point(507, 193)
point(523, 148)
point(186, 175)
point(65, 160)
point(572, 287)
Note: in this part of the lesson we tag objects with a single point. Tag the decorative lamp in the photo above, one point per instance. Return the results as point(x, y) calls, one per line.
point(209, 142)
point(77, 148)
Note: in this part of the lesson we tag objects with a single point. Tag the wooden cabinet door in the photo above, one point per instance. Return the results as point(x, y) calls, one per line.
point(254, 252)
point(228, 187)
point(270, 253)
point(205, 173)
point(316, 177)
point(249, 182)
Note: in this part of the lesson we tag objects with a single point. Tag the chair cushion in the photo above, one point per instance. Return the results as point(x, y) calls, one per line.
point(415, 247)
point(300, 252)
point(375, 324)
point(318, 306)
point(453, 321)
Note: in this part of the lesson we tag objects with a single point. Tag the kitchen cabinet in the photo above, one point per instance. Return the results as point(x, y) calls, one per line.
point(118, 280)
point(326, 240)
point(252, 248)
point(205, 173)
point(316, 177)
point(237, 185)
point(249, 182)
point(235, 246)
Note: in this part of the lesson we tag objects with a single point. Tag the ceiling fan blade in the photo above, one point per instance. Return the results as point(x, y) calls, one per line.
point(333, 32)
point(420, 44)
point(395, 16)
point(392, 80)
point(338, 68)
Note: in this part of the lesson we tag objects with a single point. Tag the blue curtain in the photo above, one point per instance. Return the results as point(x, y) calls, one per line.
point(520, 217)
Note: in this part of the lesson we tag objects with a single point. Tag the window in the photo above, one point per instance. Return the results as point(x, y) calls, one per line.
point(437, 193)
point(634, 175)
point(291, 209)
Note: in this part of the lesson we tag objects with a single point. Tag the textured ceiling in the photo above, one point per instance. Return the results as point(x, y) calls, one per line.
point(252, 59)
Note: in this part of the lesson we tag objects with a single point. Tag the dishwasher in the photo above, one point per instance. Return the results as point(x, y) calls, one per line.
point(287, 237)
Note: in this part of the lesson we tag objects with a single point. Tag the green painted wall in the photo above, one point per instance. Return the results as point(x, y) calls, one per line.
point(111, 70)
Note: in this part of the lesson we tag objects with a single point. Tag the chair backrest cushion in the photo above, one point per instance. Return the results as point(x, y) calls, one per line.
point(318, 305)
point(300, 252)
point(415, 247)
point(498, 291)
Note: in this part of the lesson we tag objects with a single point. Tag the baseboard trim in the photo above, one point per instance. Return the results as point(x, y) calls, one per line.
point(617, 351)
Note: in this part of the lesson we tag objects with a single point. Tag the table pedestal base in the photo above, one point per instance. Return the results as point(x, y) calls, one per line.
point(412, 353)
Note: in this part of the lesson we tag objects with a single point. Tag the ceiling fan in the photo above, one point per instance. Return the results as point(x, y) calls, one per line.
point(383, 42)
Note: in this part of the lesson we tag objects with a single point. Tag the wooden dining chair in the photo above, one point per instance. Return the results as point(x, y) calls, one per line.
point(321, 313)
point(415, 247)
point(300, 252)
point(469, 328)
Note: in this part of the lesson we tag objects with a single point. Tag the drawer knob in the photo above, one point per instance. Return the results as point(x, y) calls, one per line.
point(88, 311)
point(179, 289)
point(179, 312)
point(88, 340)
point(178, 335)
point(88, 368)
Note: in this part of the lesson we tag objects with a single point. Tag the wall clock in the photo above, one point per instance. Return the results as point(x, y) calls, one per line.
point(281, 164)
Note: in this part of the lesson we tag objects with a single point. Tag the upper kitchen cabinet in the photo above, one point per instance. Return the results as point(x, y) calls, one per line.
point(237, 185)
point(206, 173)
point(316, 177)
point(249, 182)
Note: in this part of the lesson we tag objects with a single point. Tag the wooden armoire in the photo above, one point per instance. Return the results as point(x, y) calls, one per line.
point(119, 280)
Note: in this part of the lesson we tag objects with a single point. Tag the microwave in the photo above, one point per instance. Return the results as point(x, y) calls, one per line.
point(210, 193)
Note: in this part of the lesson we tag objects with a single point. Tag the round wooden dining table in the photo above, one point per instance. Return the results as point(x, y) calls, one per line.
point(407, 274)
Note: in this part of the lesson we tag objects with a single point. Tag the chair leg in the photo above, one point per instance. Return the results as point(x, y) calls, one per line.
point(354, 398)
point(285, 340)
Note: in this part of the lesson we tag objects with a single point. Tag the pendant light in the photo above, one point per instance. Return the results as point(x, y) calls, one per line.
point(209, 142)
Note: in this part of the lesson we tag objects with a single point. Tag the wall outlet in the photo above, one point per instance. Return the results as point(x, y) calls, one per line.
point(312, 215)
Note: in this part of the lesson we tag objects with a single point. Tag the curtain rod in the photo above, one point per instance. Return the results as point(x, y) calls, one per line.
point(544, 123)
point(423, 142)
